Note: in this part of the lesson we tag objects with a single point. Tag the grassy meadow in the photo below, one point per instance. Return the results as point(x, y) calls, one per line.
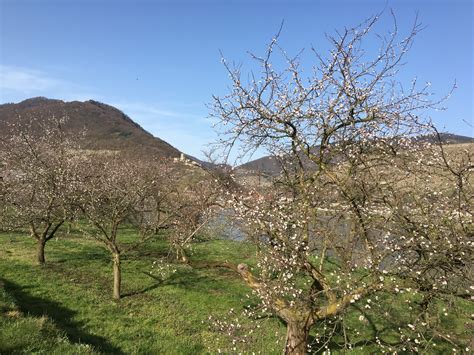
point(66, 307)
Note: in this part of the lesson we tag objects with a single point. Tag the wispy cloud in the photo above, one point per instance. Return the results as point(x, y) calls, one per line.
point(26, 80)
point(187, 131)
point(17, 82)
point(154, 111)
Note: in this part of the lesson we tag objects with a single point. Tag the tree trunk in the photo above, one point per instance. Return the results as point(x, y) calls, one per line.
point(296, 338)
point(40, 251)
point(117, 276)
point(181, 255)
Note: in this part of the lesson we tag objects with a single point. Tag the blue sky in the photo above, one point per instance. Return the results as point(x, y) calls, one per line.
point(159, 61)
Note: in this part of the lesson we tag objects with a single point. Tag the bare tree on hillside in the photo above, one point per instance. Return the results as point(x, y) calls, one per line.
point(364, 211)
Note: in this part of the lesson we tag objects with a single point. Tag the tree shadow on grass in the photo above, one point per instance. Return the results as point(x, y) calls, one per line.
point(60, 315)
point(183, 279)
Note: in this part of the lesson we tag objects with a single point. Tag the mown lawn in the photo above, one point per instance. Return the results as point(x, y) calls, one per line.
point(66, 306)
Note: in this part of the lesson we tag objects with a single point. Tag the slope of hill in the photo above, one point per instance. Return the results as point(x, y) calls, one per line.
point(271, 166)
point(267, 165)
point(105, 126)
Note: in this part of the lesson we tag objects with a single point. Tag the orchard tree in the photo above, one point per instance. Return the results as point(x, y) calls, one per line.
point(193, 204)
point(116, 190)
point(369, 215)
point(39, 165)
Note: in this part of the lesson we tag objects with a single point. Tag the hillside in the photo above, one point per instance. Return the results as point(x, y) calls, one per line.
point(105, 126)
point(271, 166)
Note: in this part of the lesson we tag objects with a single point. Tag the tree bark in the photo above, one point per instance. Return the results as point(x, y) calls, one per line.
point(296, 338)
point(297, 327)
point(40, 251)
point(117, 276)
point(181, 255)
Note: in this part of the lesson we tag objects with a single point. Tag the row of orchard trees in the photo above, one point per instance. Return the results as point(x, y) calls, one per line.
point(370, 214)
point(49, 181)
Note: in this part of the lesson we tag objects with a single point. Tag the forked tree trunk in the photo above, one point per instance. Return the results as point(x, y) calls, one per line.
point(296, 338)
point(297, 327)
point(42, 238)
point(117, 275)
point(40, 244)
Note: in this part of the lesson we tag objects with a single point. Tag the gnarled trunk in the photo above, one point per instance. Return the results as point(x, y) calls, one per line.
point(40, 244)
point(117, 275)
point(296, 338)
point(297, 324)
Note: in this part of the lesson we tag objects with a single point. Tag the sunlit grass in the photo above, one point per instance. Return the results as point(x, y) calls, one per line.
point(154, 316)
point(66, 307)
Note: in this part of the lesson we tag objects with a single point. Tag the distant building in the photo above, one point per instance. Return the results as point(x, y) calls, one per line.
point(182, 159)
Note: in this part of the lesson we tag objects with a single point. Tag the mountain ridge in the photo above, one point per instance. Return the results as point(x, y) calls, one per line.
point(271, 166)
point(105, 126)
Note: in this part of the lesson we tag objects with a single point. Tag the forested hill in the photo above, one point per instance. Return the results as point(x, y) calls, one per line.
point(105, 127)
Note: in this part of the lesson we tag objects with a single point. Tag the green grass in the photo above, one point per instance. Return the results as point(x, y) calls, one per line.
point(66, 306)
point(155, 316)
point(25, 333)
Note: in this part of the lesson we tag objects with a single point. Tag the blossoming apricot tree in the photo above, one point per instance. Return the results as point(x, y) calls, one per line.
point(39, 166)
point(117, 190)
point(369, 210)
